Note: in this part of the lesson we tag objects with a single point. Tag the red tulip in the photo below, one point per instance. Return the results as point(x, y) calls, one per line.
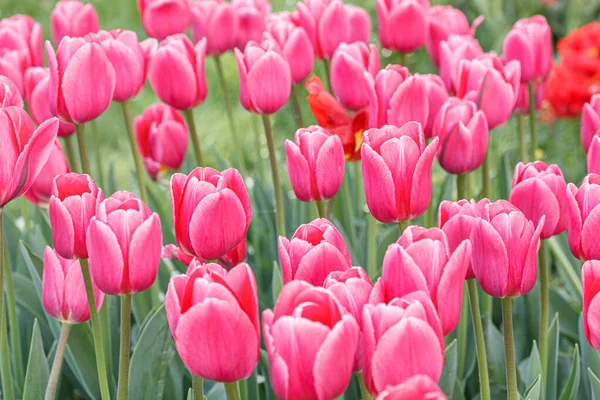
point(451, 52)
point(73, 18)
point(251, 16)
point(9, 93)
point(590, 121)
point(437, 94)
point(162, 18)
point(411, 15)
point(41, 189)
point(418, 387)
point(590, 282)
point(217, 21)
point(583, 218)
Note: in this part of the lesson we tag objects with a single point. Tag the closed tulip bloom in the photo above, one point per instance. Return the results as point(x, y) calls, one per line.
point(437, 94)
point(530, 43)
point(396, 170)
point(411, 15)
point(124, 242)
point(307, 334)
point(451, 52)
point(265, 78)
point(418, 387)
point(13, 64)
point(522, 105)
point(215, 20)
point(444, 21)
point(251, 16)
point(9, 93)
point(584, 218)
point(63, 289)
point(176, 72)
point(22, 34)
point(590, 282)
point(162, 18)
point(162, 138)
point(590, 121)
point(463, 133)
point(315, 250)
point(225, 305)
point(73, 204)
point(73, 18)
point(359, 21)
point(349, 64)
point(211, 211)
point(41, 189)
point(593, 156)
point(82, 79)
point(401, 339)
point(315, 163)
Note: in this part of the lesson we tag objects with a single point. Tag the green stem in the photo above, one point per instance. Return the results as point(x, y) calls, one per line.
point(83, 152)
point(532, 120)
point(544, 301)
point(485, 176)
point(363, 389)
point(124, 351)
point(484, 380)
point(96, 331)
point(321, 208)
point(106, 339)
point(461, 187)
point(58, 360)
point(522, 141)
point(509, 350)
point(7, 383)
point(232, 390)
point(13, 322)
point(461, 336)
point(243, 385)
point(430, 215)
point(98, 153)
point(279, 215)
point(70, 152)
point(189, 117)
point(139, 168)
point(403, 57)
point(372, 247)
point(402, 225)
point(327, 65)
point(296, 107)
point(347, 202)
point(198, 387)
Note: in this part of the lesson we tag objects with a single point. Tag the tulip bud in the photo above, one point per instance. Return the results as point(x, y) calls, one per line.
point(437, 94)
point(162, 18)
point(63, 289)
point(414, 388)
point(315, 250)
point(73, 18)
point(251, 16)
point(217, 21)
point(451, 52)
point(590, 274)
point(40, 190)
point(124, 242)
point(9, 93)
point(444, 21)
point(583, 218)
point(411, 15)
point(20, 33)
point(590, 121)
point(225, 304)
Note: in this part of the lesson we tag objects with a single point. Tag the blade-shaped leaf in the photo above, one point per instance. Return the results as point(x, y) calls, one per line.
point(572, 385)
point(36, 377)
point(553, 338)
point(449, 373)
point(533, 392)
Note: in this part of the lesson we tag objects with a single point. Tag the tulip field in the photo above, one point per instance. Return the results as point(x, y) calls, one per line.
point(314, 199)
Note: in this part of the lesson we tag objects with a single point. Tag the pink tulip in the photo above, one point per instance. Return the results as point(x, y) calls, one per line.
point(23, 34)
point(397, 171)
point(530, 43)
point(228, 261)
point(82, 79)
point(37, 91)
point(310, 342)
point(359, 21)
point(411, 15)
point(401, 339)
point(74, 201)
point(73, 18)
point(583, 218)
point(176, 72)
point(295, 45)
point(9, 93)
point(593, 156)
point(215, 20)
point(418, 387)
point(349, 64)
point(437, 94)
point(590, 274)
point(211, 211)
point(590, 121)
point(41, 189)
point(490, 84)
point(522, 105)
point(315, 250)
point(251, 16)
point(265, 78)
point(451, 52)
point(315, 163)
point(13, 64)
point(162, 138)
point(63, 289)
point(25, 151)
point(225, 305)
point(463, 133)
point(124, 242)
point(162, 18)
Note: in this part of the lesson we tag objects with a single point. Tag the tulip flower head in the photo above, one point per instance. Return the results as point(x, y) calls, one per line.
point(437, 94)
point(583, 218)
point(217, 21)
point(9, 93)
point(41, 189)
point(593, 156)
point(411, 15)
point(451, 52)
point(590, 282)
point(417, 387)
point(21, 47)
point(251, 17)
point(590, 121)
point(162, 18)
point(73, 18)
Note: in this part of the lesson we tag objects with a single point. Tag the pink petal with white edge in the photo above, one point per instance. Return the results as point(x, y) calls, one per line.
point(105, 257)
point(144, 254)
point(490, 259)
point(450, 288)
point(298, 171)
point(330, 167)
point(421, 196)
point(379, 186)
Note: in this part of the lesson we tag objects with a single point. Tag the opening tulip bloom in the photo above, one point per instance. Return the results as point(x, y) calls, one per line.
point(315, 163)
point(176, 72)
point(9, 93)
point(396, 170)
point(211, 211)
point(590, 281)
point(437, 94)
point(217, 21)
point(411, 15)
point(311, 343)
point(251, 20)
point(315, 250)
point(463, 133)
point(584, 217)
point(162, 18)
point(63, 289)
point(225, 305)
point(590, 121)
point(124, 242)
point(451, 52)
point(40, 191)
point(162, 138)
point(73, 203)
point(540, 190)
point(73, 18)
point(418, 387)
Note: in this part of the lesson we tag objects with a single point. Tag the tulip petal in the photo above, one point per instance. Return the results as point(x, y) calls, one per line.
point(490, 259)
point(105, 257)
point(144, 254)
point(298, 171)
point(589, 241)
point(379, 186)
point(401, 274)
point(330, 167)
point(63, 233)
point(242, 281)
point(575, 222)
point(450, 288)
point(421, 196)
point(269, 83)
point(53, 284)
point(173, 78)
point(535, 199)
point(319, 262)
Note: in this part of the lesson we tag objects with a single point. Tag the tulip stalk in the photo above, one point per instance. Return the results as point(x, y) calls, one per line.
point(13, 322)
point(233, 391)
point(363, 388)
point(58, 361)
point(99, 164)
point(522, 143)
point(297, 109)
point(321, 208)
point(485, 176)
point(70, 152)
point(347, 202)
point(544, 301)
point(279, 215)
point(83, 152)
point(509, 349)
point(402, 225)
point(7, 385)
point(372, 248)
point(123, 382)
point(484, 379)
point(327, 65)
point(532, 119)
point(189, 117)
point(198, 387)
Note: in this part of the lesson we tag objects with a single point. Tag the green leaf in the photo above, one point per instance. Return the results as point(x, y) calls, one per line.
point(533, 392)
point(572, 386)
point(553, 338)
point(141, 305)
point(217, 392)
point(36, 377)
point(449, 373)
point(494, 344)
point(595, 384)
point(531, 368)
point(590, 358)
point(276, 282)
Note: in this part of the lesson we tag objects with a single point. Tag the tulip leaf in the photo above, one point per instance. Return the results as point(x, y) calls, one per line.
point(36, 377)
point(141, 305)
point(217, 392)
point(594, 384)
point(572, 385)
point(494, 344)
point(531, 368)
point(590, 359)
point(449, 373)
point(276, 282)
point(533, 392)
point(553, 339)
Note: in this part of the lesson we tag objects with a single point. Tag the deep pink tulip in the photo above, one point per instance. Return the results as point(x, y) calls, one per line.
point(176, 72)
point(349, 64)
point(401, 339)
point(411, 15)
point(13, 64)
point(540, 190)
point(63, 289)
point(162, 18)
point(37, 91)
point(82, 79)
point(315, 163)
point(437, 94)
point(359, 21)
point(505, 246)
point(23, 34)
point(463, 132)
point(530, 43)
point(265, 77)
point(305, 336)
point(590, 121)
point(40, 191)
point(590, 282)
point(74, 201)
point(593, 156)
point(217, 21)
point(490, 84)
point(451, 52)
point(73, 18)
point(211, 211)
point(295, 45)
point(25, 151)
point(418, 387)
point(162, 138)
point(251, 16)
point(522, 105)
point(396, 170)
point(315, 250)
point(124, 242)
point(225, 304)
point(9, 93)
point(584, 218)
